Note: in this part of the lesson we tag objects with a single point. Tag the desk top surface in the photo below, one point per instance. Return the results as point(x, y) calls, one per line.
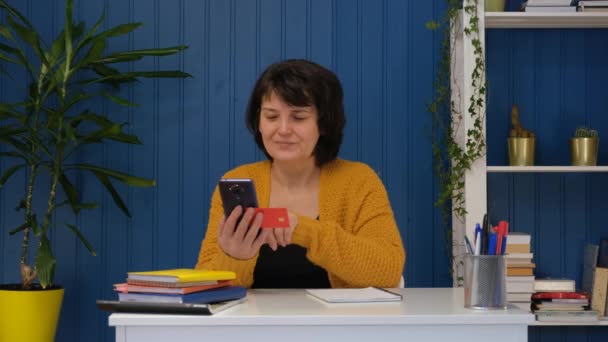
point(420, 306)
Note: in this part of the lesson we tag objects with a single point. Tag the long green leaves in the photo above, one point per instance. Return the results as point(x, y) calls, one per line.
point(54, 118)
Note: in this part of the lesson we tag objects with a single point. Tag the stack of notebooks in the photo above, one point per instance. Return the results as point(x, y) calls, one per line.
point(520, 270)
point(179, 286)
point(567, 306)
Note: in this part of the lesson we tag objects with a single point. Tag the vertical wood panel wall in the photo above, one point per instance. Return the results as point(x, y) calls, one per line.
point(193, 130)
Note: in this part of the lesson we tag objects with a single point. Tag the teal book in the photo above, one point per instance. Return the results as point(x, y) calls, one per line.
point(203, 297)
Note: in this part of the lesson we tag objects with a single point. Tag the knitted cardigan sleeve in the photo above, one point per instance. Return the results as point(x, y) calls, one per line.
point(356, 239)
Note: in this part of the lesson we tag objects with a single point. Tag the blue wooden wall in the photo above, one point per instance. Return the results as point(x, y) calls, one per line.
point(558, 78)
point(193, 130)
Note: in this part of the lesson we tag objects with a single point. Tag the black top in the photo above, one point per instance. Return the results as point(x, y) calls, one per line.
point(288, 268)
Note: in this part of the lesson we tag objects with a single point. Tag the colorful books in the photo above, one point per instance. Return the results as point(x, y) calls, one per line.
point(178, 276)
point(129, 288)
point(209, 296)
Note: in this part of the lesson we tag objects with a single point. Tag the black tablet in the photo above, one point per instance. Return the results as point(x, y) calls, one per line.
point(166, 308)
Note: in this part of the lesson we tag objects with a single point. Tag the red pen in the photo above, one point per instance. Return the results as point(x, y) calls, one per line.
point(501, 230)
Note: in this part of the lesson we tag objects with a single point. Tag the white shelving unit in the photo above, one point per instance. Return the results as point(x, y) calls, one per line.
point(463, 61)
point(520, 169)
point(518, 20)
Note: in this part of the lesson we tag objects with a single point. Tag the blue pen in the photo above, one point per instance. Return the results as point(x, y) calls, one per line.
point(477, 239)
point(492, 244)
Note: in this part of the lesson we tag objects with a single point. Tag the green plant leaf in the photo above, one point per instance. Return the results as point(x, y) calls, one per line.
point(152, 52)
point(81, 237)
point(119, 100)
point(87, 38)
point(15, 13)
point(68, 26)
point(6, 33)
point(116, 59)
point(102, 133)
point(70, 192)
point(8, 59)
point(29, 36)
point(45, 262)
point(120, 176)
point(18, 229)
point(93, 54)
point(57, 48)
point(8, 173)
point(115, 196)
point(160, 74)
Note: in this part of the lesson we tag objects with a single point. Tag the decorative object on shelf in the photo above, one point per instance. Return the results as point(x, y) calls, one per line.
point(451, 159)
point(41, 133)
point(584, 147)
point(521, 142)
point(495, 5)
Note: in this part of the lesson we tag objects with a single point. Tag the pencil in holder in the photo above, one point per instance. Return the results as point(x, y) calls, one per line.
point(485, 285)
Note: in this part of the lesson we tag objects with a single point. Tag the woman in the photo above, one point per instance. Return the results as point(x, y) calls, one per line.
point(342, 231)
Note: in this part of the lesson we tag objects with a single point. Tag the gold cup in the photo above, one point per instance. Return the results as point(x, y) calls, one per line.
point(521, 151)
point(584, 151)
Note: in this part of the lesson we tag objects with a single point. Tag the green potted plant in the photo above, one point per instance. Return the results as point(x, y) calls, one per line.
point(584, 147)
point(51, 122)
point(521, 142)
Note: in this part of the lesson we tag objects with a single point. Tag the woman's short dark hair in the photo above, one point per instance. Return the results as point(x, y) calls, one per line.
point(302, 83)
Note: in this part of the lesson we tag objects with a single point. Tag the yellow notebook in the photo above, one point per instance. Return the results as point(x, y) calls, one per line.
point(181, 275)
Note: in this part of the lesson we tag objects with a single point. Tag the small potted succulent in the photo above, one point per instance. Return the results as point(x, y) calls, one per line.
point(521, 142)
point(584, 146)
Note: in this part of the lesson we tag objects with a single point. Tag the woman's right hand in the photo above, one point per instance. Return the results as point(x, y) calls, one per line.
point(241, 241)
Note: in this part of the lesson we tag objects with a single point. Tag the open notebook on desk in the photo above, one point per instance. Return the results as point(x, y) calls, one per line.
point(364, 295)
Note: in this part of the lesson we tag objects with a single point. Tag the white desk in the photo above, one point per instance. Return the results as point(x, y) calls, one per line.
point(434, 314)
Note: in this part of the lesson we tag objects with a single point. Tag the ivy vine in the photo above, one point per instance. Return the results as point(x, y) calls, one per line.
point(451, 159)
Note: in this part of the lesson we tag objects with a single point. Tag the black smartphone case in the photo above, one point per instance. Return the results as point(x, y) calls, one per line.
point(235, 192)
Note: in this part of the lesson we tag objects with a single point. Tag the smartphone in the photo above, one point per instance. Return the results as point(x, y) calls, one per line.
point(241, 191)
point(237, 191)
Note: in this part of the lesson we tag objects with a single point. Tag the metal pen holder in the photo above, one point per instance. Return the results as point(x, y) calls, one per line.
point(485, 285)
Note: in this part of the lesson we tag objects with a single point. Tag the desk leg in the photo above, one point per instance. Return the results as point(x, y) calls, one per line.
point(121, 334)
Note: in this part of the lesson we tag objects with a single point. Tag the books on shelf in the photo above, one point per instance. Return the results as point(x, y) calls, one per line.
point(518, 238)
point(566, 316)
point(599, 291)
point(178, 277)
point(554, 285)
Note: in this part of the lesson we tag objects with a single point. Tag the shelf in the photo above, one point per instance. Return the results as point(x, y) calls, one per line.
point(495, 169)
point(546, 20)
point(592, 324)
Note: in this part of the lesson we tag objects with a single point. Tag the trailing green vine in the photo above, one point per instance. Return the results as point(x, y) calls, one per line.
point(451, 159)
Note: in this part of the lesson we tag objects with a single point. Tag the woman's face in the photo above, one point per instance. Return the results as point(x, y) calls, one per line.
point(289, 133)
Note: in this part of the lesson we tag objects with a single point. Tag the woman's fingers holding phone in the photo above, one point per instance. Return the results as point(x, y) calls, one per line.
point(254, 228)
point(230, 223)
point(243, 226)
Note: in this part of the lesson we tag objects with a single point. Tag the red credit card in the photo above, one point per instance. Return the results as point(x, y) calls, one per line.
point(274, 217)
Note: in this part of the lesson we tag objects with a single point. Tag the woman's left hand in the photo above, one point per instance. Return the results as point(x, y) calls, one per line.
point(282, 236)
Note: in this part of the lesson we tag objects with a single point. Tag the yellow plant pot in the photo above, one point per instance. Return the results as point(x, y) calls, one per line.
point(521, 151)
point(584, 151)
point(29, 315)
point(495, 5)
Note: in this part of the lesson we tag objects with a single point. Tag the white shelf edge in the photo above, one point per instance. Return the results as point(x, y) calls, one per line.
point(565, 323)
point(546, 20)
point(496, 169)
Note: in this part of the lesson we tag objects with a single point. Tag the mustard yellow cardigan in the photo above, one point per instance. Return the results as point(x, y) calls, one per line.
point(356, 239)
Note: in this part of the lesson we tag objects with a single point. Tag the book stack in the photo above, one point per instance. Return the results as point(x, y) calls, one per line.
point(593, 6)
point(567, 306)
point(179, 286)
point(520, 270)
point(548, 6)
